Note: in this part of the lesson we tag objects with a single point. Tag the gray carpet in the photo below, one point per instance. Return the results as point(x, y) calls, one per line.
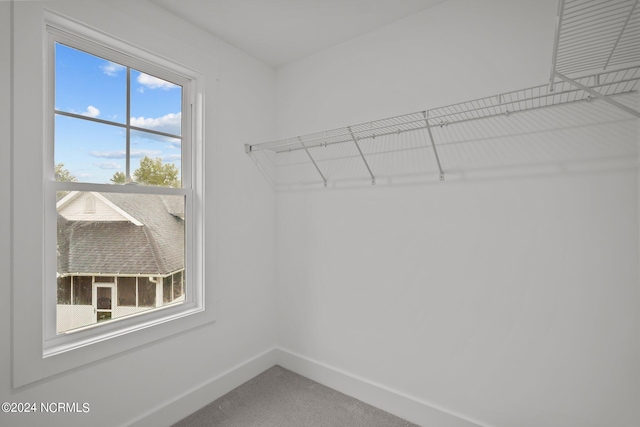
point(281, 398)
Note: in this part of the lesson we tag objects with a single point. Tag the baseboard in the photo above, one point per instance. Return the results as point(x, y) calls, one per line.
point(411, 409)
point(190, 401)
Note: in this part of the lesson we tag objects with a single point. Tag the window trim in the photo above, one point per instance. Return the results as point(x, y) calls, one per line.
point(76, 35)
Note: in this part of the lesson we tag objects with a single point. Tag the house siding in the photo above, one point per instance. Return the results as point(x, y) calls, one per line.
point(76, 210)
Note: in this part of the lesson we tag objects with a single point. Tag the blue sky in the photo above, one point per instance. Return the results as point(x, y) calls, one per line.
point(94, 87)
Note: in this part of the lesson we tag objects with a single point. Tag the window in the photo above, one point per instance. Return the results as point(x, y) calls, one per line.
point(64, 290)
point(110, 118)
point(146, 293)
point(82, 290)
point(173, 287)
point(124, 197)
point(89, 204)
point(127, 292)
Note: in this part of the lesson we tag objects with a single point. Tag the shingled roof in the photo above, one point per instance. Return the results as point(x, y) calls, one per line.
point(122, 247)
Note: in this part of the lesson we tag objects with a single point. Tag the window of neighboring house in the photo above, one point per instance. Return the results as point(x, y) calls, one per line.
point(136, 292)
point(172, 287)
point(178, 289)
point(123, 181)
point(167, 289)
point(127, 291)
point(146, 292)
point(82, 290)
point(90, 205)
point(64, 290)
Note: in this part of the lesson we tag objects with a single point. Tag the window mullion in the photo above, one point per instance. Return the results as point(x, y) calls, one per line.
point(115, 188)
point(90, 119)
point(128, 133)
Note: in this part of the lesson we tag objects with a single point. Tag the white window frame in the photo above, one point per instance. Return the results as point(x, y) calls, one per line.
point(75, 35)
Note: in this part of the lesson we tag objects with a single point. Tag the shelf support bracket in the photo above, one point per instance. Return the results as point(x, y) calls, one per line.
point(313, 161)
point(373, 178)
point(624, 27)
point(556, 42)
point(598, 95)
point(433, 144)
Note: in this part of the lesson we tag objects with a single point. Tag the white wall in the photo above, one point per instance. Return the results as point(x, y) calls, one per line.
point(507, 294)
point(5, 192)
point(453, 52)
point(239, 226)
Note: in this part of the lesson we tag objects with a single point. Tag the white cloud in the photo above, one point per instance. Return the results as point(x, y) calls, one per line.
point(108, 165)
point(109, 154)
point(154, 82)
point(170, 123)
point(122, 154)
point(111, 68)
point(91, 112)
point(141, 153)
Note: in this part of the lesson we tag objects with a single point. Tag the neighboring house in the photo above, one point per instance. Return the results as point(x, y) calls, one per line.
point(118, 254)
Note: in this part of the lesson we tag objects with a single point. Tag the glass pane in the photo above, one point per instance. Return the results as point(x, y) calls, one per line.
point(103, 316)
point(127, 291)
point(79, 310)
point(103, 298)
point(138, 237)
point(167, 292)
point(64, 290)
point(82, 291)
point(146, 292)
point(89, 85)
point(177, 285)
point(87, 151)
point(156, 104)
point(155, 159)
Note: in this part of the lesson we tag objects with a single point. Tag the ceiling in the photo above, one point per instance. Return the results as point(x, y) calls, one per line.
point(282, 31)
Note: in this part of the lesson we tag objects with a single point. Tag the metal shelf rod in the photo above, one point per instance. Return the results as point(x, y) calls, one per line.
point(373, 178)
point(621, 32)
point(599, 95)
point(556, 42)
point(433, 144)
point(321, 143)
point(314, 163)
point(455, 116)
point(472, 119)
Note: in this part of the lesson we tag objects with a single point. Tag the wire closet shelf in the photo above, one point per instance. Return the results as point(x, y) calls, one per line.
point(591, 35)
point(595, 35)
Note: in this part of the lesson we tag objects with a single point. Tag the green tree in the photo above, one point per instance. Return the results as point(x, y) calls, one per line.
point(62, 174)
point(119, 178)
point(154, 172)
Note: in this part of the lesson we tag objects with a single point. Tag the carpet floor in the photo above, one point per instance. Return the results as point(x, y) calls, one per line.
point(281, 398)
